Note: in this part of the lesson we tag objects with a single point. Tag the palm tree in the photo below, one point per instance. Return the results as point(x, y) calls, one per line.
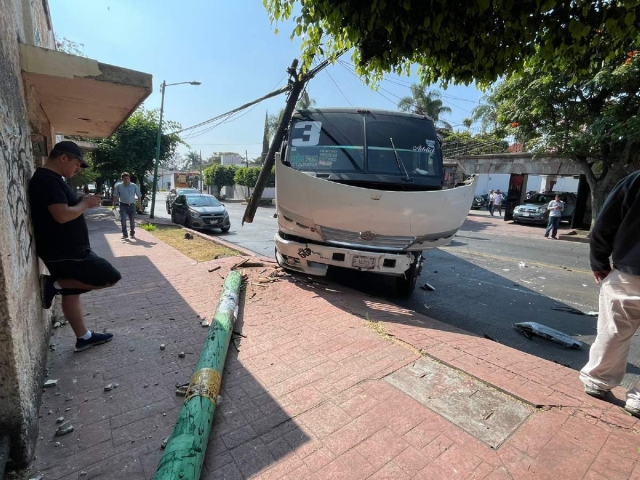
point(486, 113)
point(191, 161)
point(425, 102)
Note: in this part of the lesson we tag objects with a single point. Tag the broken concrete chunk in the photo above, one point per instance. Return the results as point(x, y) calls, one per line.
point(64, 429)
point(162, 346)
point(60, 420)
point(529, 329)
point(204, 323)
point(164, 443)
point(181, 355)
point(108, 388)
point(50, 383)
point(57, 324)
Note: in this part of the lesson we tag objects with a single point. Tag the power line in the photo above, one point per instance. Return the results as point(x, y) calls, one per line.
point(339, 89)
point(356, 75)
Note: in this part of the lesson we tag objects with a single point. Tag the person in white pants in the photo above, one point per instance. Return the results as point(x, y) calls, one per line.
point(616, 235)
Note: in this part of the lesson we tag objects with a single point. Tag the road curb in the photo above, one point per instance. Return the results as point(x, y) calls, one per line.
point(245, 252)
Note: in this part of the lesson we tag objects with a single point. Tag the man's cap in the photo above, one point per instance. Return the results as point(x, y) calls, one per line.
point(70, 148)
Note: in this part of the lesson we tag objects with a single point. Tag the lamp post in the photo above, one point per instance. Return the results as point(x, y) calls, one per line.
point(157, 159)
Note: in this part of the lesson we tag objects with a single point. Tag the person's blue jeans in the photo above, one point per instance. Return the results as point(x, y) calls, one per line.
point(128, 211)
point(552, 226)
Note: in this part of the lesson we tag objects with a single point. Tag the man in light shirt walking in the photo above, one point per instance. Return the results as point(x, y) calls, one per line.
point(497, 202)
point(126, 192)
point(555, 208)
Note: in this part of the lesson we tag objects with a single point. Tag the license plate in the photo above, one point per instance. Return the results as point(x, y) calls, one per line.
point(211, 222)
point(526, 214)
point(364, 262)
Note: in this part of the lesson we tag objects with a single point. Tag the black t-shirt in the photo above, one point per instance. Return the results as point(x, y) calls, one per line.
point(55, 241)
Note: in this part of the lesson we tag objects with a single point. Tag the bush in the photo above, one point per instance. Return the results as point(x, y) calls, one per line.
point(149, 227)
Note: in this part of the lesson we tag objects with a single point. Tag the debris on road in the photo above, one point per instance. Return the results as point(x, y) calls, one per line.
point(529, 329)
point(64, 429)
point(163, 445)
point(522, 265)
point(60, 420)
point(108, 388)
point(50, 383)
point(181, 355)
point(162, 346)
point(428, 287)
point(574, 311)
point(205, 323)
point(214, 269)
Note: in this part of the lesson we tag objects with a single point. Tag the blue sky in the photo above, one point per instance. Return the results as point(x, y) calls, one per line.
point(228, 45)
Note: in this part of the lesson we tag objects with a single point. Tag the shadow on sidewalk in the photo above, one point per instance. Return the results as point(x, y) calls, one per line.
point(118, 433)
point(475, 300)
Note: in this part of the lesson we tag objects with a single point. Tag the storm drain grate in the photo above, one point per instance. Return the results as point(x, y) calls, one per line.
point(489, 415)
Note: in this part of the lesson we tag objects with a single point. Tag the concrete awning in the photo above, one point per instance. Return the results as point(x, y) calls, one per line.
point(81, 96)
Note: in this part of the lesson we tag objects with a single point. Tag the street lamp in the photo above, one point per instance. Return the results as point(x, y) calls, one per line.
point(155, 168)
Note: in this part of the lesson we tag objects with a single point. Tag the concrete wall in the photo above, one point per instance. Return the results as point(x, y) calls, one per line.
point(493, 181)
point(24, 330)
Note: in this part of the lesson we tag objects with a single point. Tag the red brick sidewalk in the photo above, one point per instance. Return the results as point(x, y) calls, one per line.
point(305, 396)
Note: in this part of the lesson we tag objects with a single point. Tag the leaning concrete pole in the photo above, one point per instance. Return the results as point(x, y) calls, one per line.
point(185, 450)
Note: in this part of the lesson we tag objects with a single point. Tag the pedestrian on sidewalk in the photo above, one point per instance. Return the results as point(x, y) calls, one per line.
point(127, 193)
point(555, 209)
point(497, 202)
point(62, 240)
point(492, 196)
point(616, 234)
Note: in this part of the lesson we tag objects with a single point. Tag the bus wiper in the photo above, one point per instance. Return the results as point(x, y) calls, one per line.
point(400, 164)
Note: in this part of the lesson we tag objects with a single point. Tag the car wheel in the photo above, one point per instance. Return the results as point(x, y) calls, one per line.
point(406, 285)
point(226, 228)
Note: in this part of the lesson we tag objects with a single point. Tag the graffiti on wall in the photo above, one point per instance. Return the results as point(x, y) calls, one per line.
point(14, 155)
point(15, 160)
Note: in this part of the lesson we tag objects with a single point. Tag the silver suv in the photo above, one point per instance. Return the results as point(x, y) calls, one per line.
point(174, 192)
point(534, 210)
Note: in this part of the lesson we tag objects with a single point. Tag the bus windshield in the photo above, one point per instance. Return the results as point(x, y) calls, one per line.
point(382, 144)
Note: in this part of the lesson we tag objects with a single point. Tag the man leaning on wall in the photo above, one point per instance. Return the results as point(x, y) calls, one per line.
point(62, 240)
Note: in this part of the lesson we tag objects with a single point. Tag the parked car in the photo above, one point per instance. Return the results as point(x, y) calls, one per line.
point(482, 201)
point(200, 211)
point(174, 192)
point(534, 210)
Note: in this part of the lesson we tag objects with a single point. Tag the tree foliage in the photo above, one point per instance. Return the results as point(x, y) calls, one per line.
point(486, 113)
point(247, 177)
point(132, 147)
point(191, 161)
point(219, 175)
point(461, 41)
point(593, 117)
point(427, 103)
point(465, 143)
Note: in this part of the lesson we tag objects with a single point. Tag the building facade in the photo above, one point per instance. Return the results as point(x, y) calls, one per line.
point(43, 93)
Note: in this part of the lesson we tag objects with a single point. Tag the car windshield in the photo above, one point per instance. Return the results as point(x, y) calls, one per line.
point(183, 191)
point(540, 199)
point(202, 201)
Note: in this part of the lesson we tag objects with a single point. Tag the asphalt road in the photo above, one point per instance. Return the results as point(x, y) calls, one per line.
point(484, 283)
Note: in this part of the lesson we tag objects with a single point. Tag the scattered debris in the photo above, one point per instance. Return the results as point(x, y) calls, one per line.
point(181, 355)
point(267, 279)
point(574, 311)
point(238, 265)
point(522, 265)
point(57, 324)
point(214, 269)
point(533, 328)
point(60, 420)
point(253, 295)
point(163, 445)
point(64, 429)
point(205, 323)
point(181, 390)
point(162, 346)
point(50, 383)
point(188, 236)
point(108, 388)
point(428, 287)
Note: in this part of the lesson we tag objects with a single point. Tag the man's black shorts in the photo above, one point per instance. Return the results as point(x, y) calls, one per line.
point(91, 270)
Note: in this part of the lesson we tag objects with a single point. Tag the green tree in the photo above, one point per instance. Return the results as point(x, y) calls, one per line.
point(219, 176)
point(247, 177)
point(191, 161)
point(425, 102)
point(460, 41)
point(464, 143)
point(486, 113)
point(593, 118)
point(132, 147)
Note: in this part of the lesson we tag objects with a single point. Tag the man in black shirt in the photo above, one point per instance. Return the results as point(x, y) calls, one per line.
point(616, 235)
point(62, 240)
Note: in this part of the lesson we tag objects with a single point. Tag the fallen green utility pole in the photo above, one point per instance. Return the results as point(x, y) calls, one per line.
point(186, 448)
